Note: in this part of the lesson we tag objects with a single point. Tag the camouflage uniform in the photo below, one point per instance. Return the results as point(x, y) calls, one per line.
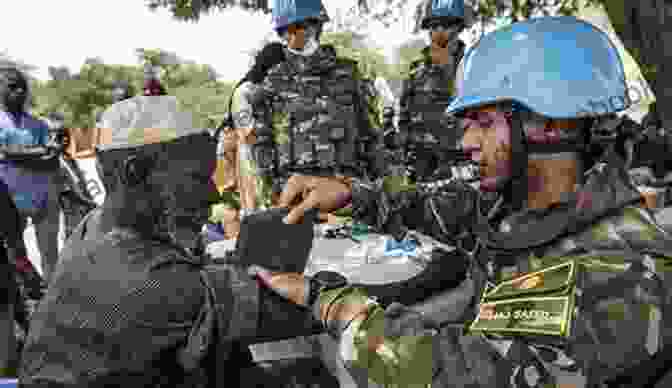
point(623, 260)
point(305, 101)
point(425, 95)
point(614, 236)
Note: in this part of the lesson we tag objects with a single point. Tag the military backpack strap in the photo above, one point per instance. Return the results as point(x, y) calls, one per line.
point(228, 121)
point(239, 315)
point(228, 316)
point(460, 51)
point(269, 56)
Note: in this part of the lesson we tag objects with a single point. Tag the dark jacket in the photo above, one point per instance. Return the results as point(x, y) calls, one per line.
point(125, 310)
point(10, 232)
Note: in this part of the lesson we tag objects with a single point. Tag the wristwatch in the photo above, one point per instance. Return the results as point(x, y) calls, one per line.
point(324, 281)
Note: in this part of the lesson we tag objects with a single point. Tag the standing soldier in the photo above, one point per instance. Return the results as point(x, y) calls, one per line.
point(310, 118)
point(429, 89)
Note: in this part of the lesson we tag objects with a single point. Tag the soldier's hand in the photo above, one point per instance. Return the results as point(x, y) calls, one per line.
point(302, 192)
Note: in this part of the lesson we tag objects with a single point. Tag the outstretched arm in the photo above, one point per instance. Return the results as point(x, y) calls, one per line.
point(393, 346)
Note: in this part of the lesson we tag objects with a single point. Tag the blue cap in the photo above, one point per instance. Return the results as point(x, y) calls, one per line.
point(559, 67)
point(443, 9)
point(286, 12)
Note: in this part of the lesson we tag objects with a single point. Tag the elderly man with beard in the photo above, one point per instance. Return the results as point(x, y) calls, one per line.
point(131, 305)
point(526, 106)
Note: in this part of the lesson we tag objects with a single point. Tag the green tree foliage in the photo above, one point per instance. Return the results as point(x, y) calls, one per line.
point(524, 9)
point(407, 54)
point(191, 10)
point(195, 85)
point(81, 96)
point(371, 60)
point(620, 14)
point(640, 24)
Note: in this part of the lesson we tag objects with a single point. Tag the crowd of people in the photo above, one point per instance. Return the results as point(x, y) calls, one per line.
point(132, 299)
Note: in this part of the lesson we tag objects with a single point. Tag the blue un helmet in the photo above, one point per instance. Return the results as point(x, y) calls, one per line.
point(286, 12)
point(558, 67)
point(447, 11)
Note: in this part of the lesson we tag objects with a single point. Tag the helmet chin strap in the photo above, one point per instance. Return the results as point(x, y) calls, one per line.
point(518, 182)
point(521, 149)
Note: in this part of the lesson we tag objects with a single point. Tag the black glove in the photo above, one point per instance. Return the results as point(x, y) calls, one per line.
point(269, 56)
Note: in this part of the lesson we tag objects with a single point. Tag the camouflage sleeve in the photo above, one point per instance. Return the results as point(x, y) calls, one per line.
point(371, 101)
point(376, 105)
point(250, 113)
point(404, 103)
point(638, 227)
point(389, 360)
point(243, 105)
point(618, 301)
point(278, 119)
point(244, 118)
point(642, 232)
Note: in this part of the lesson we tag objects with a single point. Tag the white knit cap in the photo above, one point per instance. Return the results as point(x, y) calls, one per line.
point(144, 120)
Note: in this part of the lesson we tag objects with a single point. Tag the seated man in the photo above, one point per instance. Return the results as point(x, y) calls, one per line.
point(130, 305)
